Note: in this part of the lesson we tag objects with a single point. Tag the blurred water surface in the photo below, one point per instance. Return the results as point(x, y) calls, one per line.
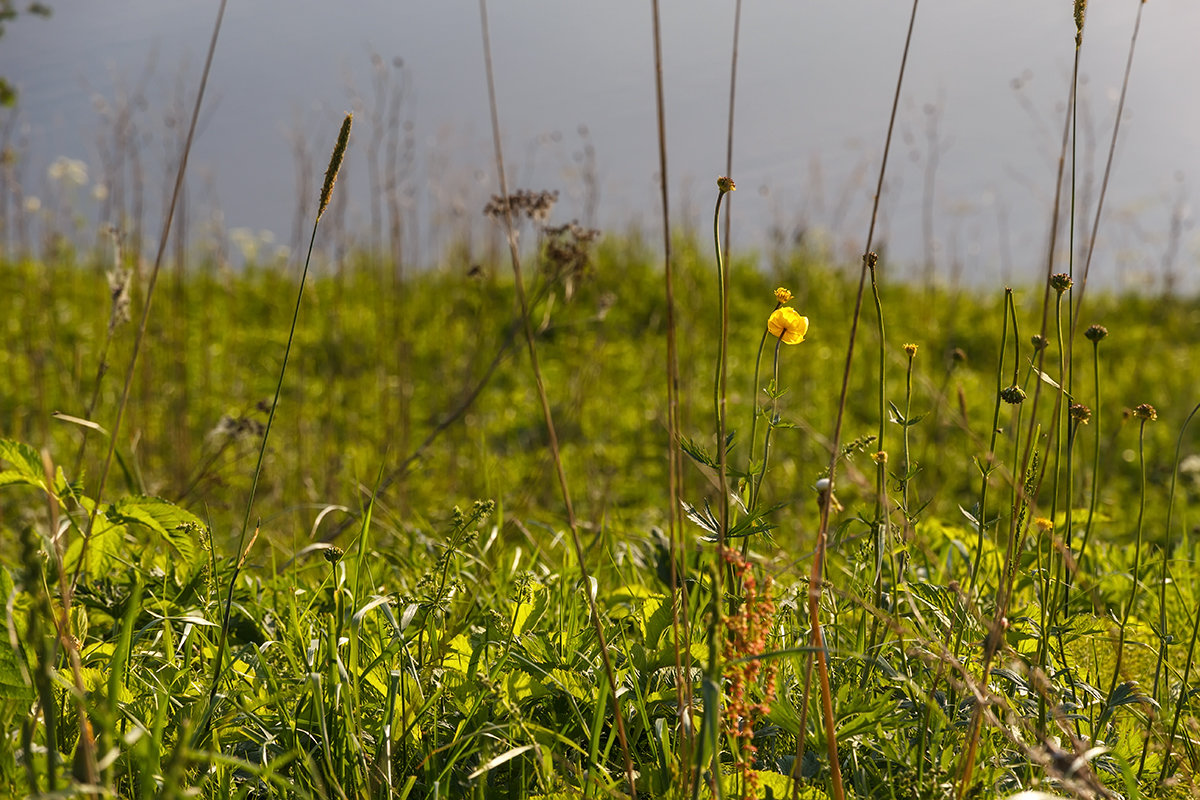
point(970, 182)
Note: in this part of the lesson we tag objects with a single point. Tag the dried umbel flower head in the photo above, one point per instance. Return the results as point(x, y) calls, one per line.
point(910, 350)
point(1060, 282)
point(567, 254)
point(725, 184)
point(1013, 395)
point(1080, 413)
point(535, 206)
point(787, 325)
point(1095, 333)
point(1145, 412)
point(782, 296)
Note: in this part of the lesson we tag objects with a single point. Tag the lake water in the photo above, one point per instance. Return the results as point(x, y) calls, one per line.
point(969, 184)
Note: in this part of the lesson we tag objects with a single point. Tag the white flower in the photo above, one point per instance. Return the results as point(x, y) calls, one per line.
point(33, 205)
point(68, 170)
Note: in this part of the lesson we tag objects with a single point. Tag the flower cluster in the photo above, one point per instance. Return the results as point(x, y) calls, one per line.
point(745, 639)
point(535, 206)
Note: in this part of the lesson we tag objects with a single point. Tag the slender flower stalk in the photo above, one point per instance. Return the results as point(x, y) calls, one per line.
point(1163, 639)
point(1095, 334)
point(1144, 413)
point(331, 173)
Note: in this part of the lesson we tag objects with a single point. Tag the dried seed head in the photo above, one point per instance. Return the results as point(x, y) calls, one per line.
point(1095, 333)
point(1013, 395)
point(1039, 342)
point(1060, 282)
point(1080, 413)
point(1080, 11)
point(334, 554)
point(1145, 412)
point(335, 164)
point(725, 184)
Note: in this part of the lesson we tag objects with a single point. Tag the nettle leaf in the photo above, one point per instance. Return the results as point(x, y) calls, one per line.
point(108, 548)
point(25, 465)
point(160, 516)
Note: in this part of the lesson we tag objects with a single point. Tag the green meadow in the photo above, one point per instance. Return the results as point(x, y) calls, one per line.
point(578, 514)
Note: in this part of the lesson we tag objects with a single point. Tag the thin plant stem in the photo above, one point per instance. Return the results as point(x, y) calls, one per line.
point(678, 575)
point(1163, 639)
point(142, 326)
point(762, 472)
point(990, 457)
point(733, 65)
point(881, 539)
point(816, 577)
point(1112, 149)
point(335, 163)
point(994, 638)
point(1095, 490)
point(1137, 558)
point(543, 399)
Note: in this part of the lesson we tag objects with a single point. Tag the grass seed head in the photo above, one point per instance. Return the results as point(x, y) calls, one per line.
point(335, 164)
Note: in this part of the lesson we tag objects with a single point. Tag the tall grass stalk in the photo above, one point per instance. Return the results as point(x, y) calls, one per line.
point(164, 237)
point(680, 620)
point(817, 574)
point(544, 401)
point(331, 173)
point(1108, 163)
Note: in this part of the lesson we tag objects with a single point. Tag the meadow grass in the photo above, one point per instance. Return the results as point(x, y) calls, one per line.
point(431, 638)
point(487, 570)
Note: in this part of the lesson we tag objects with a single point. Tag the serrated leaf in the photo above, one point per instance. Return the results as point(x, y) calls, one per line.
point(160, 516)
point(26, 465)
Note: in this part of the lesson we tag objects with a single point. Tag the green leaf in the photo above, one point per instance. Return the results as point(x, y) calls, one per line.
point(160, 516)
point(26, 465)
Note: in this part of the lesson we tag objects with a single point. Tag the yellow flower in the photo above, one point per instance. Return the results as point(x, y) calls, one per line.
point(783, 295)
point(725, 184)
point(787, 324)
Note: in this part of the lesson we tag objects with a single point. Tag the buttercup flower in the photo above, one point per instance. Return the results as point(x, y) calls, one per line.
point(787, 325)
point(783, 295)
